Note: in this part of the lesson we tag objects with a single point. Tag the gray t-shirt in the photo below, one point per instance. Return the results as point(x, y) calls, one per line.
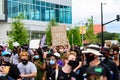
point(15, 58)
point(27, 69)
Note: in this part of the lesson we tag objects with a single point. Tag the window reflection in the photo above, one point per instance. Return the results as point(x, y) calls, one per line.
point(40, 10)
point(37, 13)
point(47, 12)
point(43, 13)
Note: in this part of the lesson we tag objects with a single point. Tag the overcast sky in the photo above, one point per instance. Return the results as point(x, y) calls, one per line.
point(83, 9)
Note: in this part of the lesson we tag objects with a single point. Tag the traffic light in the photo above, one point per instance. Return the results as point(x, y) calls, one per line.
point(118, 17)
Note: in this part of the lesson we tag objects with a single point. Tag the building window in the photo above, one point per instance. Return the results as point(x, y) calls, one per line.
point(48, 5)
point(42, 13)
point(37, 13)
point(9, 9)
point(14, 9)
point(52, 13)
point(26, 11)
point(57, 15)
point(40, 10)
point(42, 3)
point(21, 1)
point(47, 14)
point(38, 2)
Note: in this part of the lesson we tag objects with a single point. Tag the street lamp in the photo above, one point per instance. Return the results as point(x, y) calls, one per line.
point(102, 39)
point(102, 24)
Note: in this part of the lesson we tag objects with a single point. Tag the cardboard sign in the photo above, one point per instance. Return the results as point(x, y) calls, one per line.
point(59, 36)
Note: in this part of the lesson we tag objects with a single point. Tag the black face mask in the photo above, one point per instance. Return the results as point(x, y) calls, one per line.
point(24, 62)
point(89, 58)
point(73, 64)
point(14, 51)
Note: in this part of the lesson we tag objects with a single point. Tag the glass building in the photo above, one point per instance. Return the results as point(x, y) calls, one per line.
point(37, 14)
point(40, 10)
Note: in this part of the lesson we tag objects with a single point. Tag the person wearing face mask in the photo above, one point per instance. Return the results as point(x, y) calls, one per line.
point(110, 63)
point(40, 64)
point(27, 69)
point(92, 53)
point(10, 71)
point(66, 72)
point(51, 67)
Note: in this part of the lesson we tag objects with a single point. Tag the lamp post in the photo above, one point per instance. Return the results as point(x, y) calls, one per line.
point(102, 38)
point(102, 24)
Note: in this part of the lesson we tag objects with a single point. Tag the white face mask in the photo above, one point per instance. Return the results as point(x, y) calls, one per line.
point(101, 58)
point(112, 57)
point(36, 56)
point(52, 62)
point(6, 59)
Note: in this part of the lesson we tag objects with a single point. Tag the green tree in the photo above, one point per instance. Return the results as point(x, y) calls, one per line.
point(48, 31)
point(108, 36)
point(74, 36)
point(18, 32)
point(90, 36)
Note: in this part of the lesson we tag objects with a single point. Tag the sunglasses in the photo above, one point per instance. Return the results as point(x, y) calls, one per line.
point(115, 54)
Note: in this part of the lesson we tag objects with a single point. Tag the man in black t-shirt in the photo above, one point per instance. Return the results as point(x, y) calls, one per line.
point(92, 54)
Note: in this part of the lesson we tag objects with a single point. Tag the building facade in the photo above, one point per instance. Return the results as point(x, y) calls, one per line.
point(37, 14)
point(97, 28)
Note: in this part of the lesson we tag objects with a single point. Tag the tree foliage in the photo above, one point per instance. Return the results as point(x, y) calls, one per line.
point(90, 36)
point(18, 32)
point(48, 31)
point(108, 36)
point(74, 36)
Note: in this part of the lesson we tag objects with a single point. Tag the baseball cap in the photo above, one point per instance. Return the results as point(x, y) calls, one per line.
point(94, 49)
point(96, 70)
point(54, 56)
point(105, 51)
point(5, 53)
point(57, 54)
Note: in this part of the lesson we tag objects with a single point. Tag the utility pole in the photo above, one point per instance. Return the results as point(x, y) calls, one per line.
point(102, 24)
point(102, 43)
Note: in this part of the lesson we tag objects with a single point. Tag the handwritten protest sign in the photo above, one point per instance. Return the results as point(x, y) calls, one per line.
point(59, 36)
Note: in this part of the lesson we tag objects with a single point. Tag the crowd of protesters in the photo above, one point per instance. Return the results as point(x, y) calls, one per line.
point(60, 63)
